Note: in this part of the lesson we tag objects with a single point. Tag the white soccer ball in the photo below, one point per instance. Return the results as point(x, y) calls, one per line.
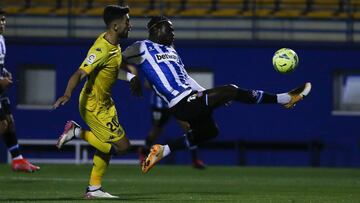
point(285, 60)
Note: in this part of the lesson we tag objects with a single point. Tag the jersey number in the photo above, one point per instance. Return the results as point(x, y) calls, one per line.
point(113, 124)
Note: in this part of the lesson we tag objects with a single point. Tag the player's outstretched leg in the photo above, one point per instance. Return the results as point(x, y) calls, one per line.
point(23, 165)
point(298, 94)
point(98, 193)
point(155, 155)
point(220, 96)
point(68, 134)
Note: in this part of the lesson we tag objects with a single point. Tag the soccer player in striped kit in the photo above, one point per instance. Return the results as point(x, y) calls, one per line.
point(186, 99)
point(7, 123)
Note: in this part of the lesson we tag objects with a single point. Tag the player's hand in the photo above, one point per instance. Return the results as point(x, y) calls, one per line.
point(5, 83)
point(61, 101)
point(135, 86)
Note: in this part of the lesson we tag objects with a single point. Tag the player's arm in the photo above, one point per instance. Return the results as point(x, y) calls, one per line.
point(130, 56)
point(5, 81)
point(133, 54)
point(95, 58)
point(7, 74)
point(129, 73)
point(72, 84)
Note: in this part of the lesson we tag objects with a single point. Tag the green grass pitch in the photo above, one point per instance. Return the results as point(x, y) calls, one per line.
point(67, 183)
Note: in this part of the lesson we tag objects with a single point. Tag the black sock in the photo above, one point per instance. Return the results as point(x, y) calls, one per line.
point(255, 97)
point(269, 98)
point(179, 143)
point(12, 144)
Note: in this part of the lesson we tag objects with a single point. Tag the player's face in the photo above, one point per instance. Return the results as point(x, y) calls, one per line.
point(166, 34)
point(2, 23)
point(123, 26)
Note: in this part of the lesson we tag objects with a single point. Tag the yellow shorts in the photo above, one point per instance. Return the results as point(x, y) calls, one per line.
point(103, 123)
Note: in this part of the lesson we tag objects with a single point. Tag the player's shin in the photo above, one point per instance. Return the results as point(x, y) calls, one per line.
point(255, 97)
point(12, 144)
point(182, 142)
point(100, 164)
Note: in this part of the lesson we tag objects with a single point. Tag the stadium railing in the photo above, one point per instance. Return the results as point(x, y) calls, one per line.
point(78, 148)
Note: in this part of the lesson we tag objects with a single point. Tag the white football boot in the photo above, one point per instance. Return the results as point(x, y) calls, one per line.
point(98, 193)
point(68, 134)
point(298, 94)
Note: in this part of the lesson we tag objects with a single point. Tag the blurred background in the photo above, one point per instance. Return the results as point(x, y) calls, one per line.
point(220, 42)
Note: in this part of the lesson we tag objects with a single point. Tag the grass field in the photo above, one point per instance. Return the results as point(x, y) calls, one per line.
point(66, 183)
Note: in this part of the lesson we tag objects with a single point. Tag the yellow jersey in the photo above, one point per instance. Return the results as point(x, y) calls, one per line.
point(102, 65)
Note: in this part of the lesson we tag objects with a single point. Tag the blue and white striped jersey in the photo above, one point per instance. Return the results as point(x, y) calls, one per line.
point(156, 102)
point(163, 68)
point(2, 65)
point(2, 53)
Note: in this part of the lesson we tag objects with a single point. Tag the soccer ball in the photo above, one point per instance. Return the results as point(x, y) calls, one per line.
point(285, 60)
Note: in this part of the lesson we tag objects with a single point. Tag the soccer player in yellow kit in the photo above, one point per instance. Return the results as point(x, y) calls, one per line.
point(101, 67)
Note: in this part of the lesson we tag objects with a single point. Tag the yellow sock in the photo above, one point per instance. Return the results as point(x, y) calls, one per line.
point(89, 137)
point(101, 161)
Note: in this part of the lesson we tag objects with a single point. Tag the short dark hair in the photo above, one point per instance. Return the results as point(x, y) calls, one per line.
point(2, 11)
point(155, 20)
point(112, 12)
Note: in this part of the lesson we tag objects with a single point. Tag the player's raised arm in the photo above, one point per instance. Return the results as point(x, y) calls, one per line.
point(72, 83)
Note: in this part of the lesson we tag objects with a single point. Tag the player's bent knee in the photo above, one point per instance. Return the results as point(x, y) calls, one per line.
point(123, 150)
point(232, 89)
point(234, 86)
point(115, 150)
point(120, 148)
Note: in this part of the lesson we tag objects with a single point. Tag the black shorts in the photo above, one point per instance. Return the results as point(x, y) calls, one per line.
point(192, 107)
point(195, 110)
point(4, 107)
point(160, 116)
